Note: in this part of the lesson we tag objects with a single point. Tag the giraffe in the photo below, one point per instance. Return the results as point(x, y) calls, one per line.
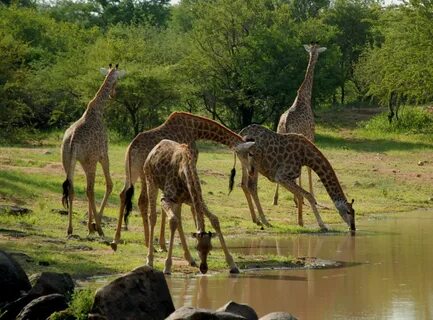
point(171, 167)
point(280, 157)
point(85, 141)
point(299, 117)
point(182, 127)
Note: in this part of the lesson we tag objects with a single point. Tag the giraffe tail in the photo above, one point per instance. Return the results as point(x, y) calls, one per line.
point(128, 203)
point(232, 175)
point(65, 198)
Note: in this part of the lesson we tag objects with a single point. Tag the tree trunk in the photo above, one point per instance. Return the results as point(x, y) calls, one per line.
point(342, 94)
point(246, 116)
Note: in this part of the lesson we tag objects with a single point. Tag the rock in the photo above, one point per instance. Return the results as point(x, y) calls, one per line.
point(51, 282)
point(13, 280)
point(140, 294)
point(421, 163)
point(45, 283)
point(42, 307)
point(190, 313)
point(278, 316)
point(243, 310)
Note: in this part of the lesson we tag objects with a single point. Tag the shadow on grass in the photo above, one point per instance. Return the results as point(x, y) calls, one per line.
point(30, 186)
point(55, 258)
point(368, 145)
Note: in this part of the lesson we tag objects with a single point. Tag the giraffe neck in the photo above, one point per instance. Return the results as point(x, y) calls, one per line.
point(96, 105)
point(321, 166)
point(304, 91)
point(200, 128)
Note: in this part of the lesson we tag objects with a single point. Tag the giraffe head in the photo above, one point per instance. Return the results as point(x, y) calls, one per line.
point(204, 246)
point(111, 76)
point(346, 212)
point(314, 49)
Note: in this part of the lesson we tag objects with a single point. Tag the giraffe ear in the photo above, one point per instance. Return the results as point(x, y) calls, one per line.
point(307, 47)
point(321, 49)
point(103, 71)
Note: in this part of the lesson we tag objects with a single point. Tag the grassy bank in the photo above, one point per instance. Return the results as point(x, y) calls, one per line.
point(385, 171)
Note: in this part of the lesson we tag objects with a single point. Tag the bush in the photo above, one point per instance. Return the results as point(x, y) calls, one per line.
point(81, 303)
point(411, 120)
point(79, 307)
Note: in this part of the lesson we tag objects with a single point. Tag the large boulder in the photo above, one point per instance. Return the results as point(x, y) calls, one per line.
point(278, 316)
point(191, 313)
point(13, 280)
point(45, 283)
point(140, 294)
point(42, 307)
point(243, 310)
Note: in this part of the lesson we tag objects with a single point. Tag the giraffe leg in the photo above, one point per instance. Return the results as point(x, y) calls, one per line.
point(152, 194)
point(299, 192)
point(70, 211)
point(162, 231)
point(248, 196)
point(310, 181)
point(172, 211)
point(194, 216)
point(186, 252)
point(275, 202)
point(122, 196)
point(252, 188)
point(90, 171)
point(216, 225)
point(143, 204)
point(69, 161)
point(108, 184)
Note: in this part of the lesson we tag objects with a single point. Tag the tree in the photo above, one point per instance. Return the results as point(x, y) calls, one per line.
point(401, 67)
point(105, 13)
point(354, 20)
point(247, 59)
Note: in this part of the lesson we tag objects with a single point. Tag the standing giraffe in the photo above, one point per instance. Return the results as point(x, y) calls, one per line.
point(85, 141)
point(280, 157)
point(181, 127)
point(299, 117)
point(171, 167)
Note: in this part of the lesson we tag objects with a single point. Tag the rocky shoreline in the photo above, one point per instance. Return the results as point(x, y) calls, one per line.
point(140, 294)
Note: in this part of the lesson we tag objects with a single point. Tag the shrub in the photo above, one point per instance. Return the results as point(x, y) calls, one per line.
point(411, 120)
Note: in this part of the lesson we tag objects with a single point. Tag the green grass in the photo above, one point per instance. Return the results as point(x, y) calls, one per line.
point(376, 166)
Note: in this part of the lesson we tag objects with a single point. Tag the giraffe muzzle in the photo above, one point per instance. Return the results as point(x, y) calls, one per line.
point(203, 268)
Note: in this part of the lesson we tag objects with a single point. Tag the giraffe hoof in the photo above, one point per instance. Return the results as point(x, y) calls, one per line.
point(192, 263)
point(113, 246)
point(234, 270)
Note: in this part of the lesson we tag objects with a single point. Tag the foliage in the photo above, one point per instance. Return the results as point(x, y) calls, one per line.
point(107, 13)
point(411, 120)
point(354, 20)
point(81, 303)
point(247, 59)
point(236, 61)
point(403, 64)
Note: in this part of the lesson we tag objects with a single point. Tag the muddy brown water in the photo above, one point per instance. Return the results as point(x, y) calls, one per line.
point(386, 272)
